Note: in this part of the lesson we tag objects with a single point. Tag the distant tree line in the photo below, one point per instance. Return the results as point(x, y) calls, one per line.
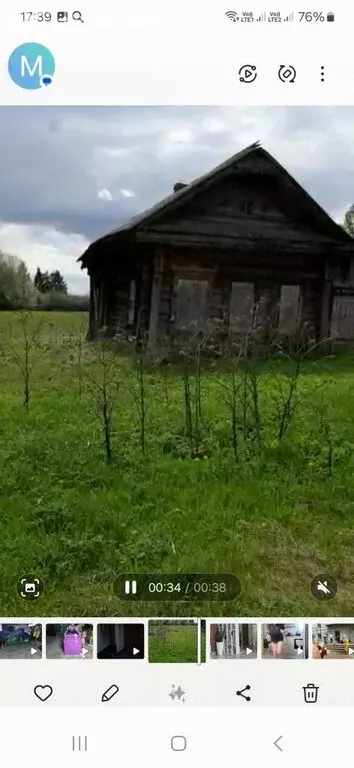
point(46, 283)
point(349, 221)
point(47, 291)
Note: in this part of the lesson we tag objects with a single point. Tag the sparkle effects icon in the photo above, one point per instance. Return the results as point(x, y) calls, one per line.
point(177, 693)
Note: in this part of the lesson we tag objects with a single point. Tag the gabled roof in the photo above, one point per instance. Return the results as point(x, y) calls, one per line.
point(168, 204)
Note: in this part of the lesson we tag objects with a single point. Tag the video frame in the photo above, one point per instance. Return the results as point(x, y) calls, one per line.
point(233, 641)
point(120, 641)
point(214, 375)
point(69, 641)
point(173, 641)
point(20, 641)
point(285, 641)
point(333, 641)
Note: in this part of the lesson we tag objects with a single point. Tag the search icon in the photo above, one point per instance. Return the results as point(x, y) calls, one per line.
point(77, 16)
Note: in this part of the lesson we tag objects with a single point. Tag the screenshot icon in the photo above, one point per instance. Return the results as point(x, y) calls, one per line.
point(30, 587)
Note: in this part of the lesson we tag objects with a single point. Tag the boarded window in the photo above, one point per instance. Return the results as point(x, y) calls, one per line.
point(343, 317)
point(290, 309)
point(242, 307)
point(192, 305)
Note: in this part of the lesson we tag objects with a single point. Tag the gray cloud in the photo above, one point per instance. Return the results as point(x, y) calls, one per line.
point(55, 161)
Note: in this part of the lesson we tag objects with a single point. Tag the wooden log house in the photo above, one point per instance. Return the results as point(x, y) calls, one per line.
point(243, 246)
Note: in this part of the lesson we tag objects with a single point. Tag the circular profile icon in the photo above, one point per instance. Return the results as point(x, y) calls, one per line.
point(324, 587)
point(31, 66)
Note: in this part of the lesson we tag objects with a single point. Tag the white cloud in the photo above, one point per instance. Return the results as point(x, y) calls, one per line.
point(181, 136)
point(48, 249)
point(213, 125)
point(127, 192)
point(104, 194)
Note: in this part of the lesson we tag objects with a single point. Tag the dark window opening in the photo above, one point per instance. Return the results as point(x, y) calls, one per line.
point(132, 302)
point(246, 206)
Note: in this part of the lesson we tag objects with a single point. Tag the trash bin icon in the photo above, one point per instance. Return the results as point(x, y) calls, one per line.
point(310, 693)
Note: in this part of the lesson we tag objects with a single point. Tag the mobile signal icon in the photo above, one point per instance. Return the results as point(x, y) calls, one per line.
point(290, 17)
point(262, 17)
point(232, 15)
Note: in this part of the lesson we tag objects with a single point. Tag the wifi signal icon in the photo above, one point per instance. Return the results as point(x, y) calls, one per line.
point(232, 15)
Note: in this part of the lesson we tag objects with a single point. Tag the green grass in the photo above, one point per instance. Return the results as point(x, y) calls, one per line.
point(179, 644)
point(280, 515)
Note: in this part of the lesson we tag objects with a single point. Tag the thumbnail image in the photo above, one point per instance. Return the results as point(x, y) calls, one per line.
point(233, 641)
point(20, 641)
point(285, 641)
point(173, 641)
point(333, 641)
point(120, 641)
point(69, 641)
point(174, 282)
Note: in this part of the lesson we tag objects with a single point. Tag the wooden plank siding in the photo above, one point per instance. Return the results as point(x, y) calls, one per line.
point(237, 209)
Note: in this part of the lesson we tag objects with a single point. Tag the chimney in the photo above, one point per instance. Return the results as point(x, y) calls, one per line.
point(178, 186)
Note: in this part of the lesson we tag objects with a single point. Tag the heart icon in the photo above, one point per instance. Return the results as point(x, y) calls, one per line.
point(43, 692)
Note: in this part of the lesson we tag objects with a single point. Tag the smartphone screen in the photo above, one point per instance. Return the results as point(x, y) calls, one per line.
point(176, 384)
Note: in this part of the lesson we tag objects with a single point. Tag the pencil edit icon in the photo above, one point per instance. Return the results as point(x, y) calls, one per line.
point(109, 693)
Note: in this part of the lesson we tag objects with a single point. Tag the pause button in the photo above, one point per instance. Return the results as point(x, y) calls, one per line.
point(130, 587)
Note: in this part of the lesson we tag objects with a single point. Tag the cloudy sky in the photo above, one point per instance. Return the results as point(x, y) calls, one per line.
point(68, 175)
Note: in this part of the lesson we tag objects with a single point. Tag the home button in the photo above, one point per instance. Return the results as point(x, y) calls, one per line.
point(178, 743)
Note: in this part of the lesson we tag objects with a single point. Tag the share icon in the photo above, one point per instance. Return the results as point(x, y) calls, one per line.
point(242, 692)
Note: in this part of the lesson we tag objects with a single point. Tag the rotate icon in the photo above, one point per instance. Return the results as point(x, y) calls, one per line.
point(287, 74)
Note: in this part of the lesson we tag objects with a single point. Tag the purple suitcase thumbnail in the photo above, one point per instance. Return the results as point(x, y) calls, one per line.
point(72, 642)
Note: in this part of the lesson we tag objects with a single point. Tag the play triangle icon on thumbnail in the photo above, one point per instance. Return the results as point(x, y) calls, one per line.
point(135, 651)
point(300, 651)
point(350, 651)
point(33, 651)
point(248, 651)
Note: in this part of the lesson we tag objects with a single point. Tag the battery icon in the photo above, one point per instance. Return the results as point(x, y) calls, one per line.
point(330, 16)
point(130, 587)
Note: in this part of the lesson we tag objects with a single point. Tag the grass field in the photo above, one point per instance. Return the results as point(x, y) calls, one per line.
point(275, 513)
point(175, 644)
